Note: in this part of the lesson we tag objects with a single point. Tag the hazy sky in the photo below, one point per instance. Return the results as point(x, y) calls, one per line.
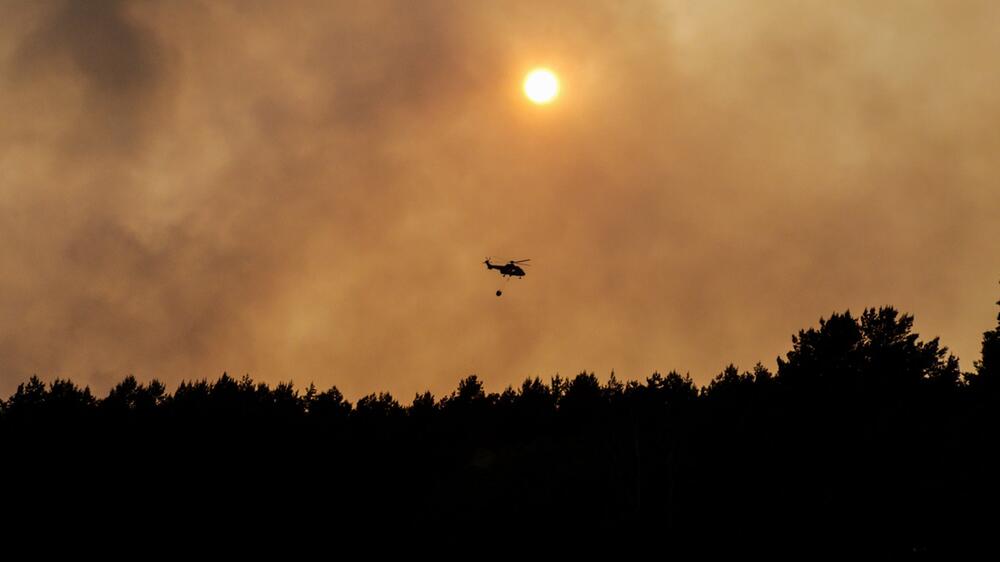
point(306, 190)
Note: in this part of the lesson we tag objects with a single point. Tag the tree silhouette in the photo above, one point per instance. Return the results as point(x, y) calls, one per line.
point(865, 438)
point(988, 367)
point(132, 396)
point(329, 406)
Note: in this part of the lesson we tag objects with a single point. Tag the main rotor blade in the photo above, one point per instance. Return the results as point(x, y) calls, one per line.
point(520, 261)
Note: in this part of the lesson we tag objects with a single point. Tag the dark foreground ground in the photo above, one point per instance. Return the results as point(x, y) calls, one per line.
point(865, 440)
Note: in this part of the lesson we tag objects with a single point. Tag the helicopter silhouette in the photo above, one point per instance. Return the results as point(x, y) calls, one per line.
point(509, 269)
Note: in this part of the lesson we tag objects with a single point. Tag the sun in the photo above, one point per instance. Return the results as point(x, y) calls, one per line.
point(541, 86)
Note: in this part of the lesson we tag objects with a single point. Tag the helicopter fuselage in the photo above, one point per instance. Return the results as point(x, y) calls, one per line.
point(507, 269)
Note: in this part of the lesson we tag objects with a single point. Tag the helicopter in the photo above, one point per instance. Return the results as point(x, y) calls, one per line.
point(509, 269)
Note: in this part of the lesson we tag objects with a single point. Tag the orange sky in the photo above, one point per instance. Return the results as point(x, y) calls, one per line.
point(306, 190)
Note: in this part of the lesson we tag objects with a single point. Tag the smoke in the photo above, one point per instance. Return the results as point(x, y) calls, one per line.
point(305, 190)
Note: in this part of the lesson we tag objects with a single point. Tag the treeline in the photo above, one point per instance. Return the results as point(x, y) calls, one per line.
point(864, 436)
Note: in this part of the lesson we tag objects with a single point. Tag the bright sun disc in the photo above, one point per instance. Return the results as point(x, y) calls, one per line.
point(541, 86)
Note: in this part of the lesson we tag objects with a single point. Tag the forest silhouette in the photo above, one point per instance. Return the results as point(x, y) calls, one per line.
point(864, 437)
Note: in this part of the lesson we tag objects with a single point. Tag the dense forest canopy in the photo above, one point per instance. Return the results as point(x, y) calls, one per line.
point(878, 350)
point(865, 434)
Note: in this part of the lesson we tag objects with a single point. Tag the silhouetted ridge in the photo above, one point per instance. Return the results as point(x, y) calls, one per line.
point(866, 436)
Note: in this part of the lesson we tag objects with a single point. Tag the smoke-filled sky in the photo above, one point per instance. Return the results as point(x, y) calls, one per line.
point(306, 190)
